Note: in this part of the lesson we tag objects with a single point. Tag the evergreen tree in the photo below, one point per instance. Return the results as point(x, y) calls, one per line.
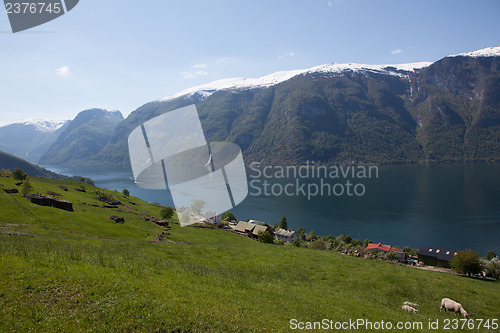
point(283, 224)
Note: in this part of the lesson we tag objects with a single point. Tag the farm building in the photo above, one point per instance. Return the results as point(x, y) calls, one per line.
point(286, 235)
point(251, 229)
point(400, 253)
point(244, 228)
point(378, 247)
point(260, 228)
point(436, 256)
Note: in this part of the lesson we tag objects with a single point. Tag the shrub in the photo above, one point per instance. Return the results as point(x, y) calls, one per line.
point(228, 216)
point(26, 187)
point(126, 192)
point(280, 242)
point(19, 174)
point(266, 237)
point(490, 255)
point(166, 212)
point(318, 244)
point(492, 269)
point(391, 256)
point(296, 242)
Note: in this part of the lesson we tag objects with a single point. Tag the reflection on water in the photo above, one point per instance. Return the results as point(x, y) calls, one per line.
point(446, 205)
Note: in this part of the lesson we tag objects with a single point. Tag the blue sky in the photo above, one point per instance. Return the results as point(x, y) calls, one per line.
point(121, 54)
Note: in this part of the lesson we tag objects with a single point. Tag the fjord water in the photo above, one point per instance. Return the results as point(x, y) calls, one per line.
point(455, 205)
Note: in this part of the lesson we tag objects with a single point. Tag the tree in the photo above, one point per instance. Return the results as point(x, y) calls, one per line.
point(228, 216)
point(391, 256)
point(312, 235)
point(266, 237)
point(26, 187)
point(19, 174)
point(490, 255)
point(283, 224)
point(466, 262)
point(197, 206)
point(126, 192)
point(166, 212)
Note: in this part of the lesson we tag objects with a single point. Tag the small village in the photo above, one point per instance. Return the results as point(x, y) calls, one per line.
point(427, 257)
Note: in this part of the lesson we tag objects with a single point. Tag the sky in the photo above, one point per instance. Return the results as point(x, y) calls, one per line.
point(121, 54)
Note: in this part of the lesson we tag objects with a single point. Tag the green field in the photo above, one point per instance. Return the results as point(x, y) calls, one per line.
point(80, 271)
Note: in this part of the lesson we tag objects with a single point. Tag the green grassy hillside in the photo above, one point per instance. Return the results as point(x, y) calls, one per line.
point(80, 271)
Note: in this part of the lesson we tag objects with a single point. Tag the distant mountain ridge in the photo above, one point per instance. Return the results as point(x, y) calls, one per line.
point(29, 139)
point(10, 162)
point(83, 137)
point(448, 110)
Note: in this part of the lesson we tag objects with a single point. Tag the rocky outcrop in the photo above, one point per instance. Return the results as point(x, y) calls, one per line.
point(117, 219)
point(44, 200)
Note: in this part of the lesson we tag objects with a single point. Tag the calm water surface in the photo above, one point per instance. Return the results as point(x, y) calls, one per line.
point(443, 205)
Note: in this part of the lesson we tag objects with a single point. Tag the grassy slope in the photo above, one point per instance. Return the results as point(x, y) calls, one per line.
point(79, 271)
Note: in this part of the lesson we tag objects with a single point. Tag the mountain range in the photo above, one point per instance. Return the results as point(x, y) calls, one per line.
point(448, 110)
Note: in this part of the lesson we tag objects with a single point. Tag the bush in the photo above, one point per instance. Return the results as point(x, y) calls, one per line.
point(318, 244)
point(492, 269)
point(87, 181)
point(126, 192)
point(296, 242)
point(490, 255)
point(228, 216)
point(166, 212)
point(19, 174)
point(266, 237)
point(466, 262)
point(391, 256)
point(280, 242)
point(26, 187)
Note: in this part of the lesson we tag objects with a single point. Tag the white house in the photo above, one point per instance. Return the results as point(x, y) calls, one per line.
point(210, 217)
point(286, 235)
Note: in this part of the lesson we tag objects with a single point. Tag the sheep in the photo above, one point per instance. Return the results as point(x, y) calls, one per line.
point(409, 308)
point(410, 303)
point(448, 304)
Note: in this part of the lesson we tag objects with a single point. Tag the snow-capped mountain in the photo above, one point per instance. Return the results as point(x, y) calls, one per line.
point(440, 111)
point(493, 51)
point(208, 89)
point(44, 125)
point(28, 139)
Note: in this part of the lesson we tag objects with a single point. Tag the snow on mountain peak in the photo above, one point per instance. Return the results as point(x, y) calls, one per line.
point(43, 125)
point(206, 90)
point(486, 52)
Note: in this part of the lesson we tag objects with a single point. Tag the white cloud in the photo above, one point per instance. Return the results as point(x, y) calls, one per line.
point(63, 71)
point(192, 75)
point(396, 51)
point(288, 54)
point(200, 66)
point(330, 3)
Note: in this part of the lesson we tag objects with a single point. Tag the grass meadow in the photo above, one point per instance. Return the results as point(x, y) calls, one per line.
point(80, 271)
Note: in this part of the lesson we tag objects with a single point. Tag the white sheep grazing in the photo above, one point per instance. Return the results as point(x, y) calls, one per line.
point(409, 308)
point(410, 304)
point(451, 305)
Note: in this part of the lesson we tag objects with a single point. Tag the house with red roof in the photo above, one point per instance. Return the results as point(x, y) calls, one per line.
point(378, 246)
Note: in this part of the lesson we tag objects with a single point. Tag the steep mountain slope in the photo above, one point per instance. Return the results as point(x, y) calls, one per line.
point(84, 137)
point(30, 139)
point(442, 111)
point(11, 163)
